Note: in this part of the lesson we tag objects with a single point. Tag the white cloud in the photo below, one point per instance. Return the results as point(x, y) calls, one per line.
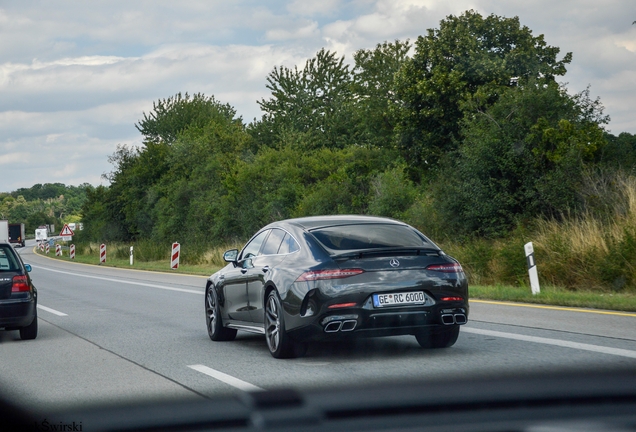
point(75, 77)
point(304, 32)
point(12, 158)
point(311, 8)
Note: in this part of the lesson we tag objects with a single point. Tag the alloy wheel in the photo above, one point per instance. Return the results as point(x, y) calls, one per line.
point(272, 327)
point(211, 310)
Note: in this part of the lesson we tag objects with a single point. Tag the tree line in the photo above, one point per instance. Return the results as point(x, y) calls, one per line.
point(466, 131)
point(43, 204)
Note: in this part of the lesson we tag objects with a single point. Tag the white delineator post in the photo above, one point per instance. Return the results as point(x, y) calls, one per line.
point(58, 250)
point(72, 252)
point(174, 260)
point(532, 269)
point(102, 253)
point(131, 255)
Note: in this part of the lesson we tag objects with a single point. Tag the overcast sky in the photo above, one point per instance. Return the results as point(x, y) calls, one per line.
point(75, 77)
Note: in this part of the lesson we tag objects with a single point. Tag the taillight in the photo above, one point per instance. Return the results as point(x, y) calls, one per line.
point(452, 299)
point(20, 284)
point(328, 274)
point(341, 305)
point(446, 268)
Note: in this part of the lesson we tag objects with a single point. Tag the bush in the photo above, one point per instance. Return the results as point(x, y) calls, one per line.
point(392, 193)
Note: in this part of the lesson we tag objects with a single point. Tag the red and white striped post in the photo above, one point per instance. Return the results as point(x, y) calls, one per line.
point(47, 248)
point(174, 258)
point(58, 250)
point(102, 253)
point(41, 247)
point(72, 251)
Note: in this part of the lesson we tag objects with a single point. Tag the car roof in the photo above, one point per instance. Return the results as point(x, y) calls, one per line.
point(313, 222)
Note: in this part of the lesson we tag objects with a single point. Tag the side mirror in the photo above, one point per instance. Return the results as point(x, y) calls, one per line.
point(28, 267)
point(231, 255)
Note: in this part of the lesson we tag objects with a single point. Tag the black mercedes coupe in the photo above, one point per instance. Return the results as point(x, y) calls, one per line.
point(336, 277)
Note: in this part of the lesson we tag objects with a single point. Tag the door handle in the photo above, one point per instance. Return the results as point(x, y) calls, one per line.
point(265, 269)
point(243, 271)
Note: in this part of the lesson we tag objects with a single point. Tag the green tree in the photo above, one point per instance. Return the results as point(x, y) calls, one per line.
point(345, 185)
point(522, 157)
point(373, 90)
point(175, 114)
point(469, 58)
point(100, 216)
point(190, 194)
point(314, 100)
point(135, 194)
point(620, 152)
point(392, 193)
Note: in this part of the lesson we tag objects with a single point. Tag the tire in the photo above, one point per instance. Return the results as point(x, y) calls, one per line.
point(216, 331)
point(278, 341)
point(443, 337)
point(30, 332)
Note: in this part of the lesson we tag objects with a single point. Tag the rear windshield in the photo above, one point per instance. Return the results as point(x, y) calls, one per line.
point(369, 236)
point(8, 260)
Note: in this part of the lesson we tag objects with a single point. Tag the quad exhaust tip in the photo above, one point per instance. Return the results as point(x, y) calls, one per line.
point(348, 325)
point(460, 318)
point(450, 319)
point(333, 327)
point(344, 326)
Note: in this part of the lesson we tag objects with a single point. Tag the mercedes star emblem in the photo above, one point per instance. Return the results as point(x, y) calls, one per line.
point(394, 263)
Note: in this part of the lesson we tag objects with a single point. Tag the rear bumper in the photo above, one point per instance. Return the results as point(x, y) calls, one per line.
point(311, 307)
point(362, 322)
point(17, 313)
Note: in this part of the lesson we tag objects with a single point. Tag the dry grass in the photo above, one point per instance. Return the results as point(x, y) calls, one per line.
point(593, 252)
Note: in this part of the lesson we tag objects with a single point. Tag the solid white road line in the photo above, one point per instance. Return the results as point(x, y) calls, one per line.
point(122, 281)
point(53, 311)
point(556, 342)
point(227, 379)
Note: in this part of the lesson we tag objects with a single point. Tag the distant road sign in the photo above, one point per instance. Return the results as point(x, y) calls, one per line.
point(66, 231)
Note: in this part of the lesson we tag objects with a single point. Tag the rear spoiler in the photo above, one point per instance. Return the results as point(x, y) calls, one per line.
point(359, 253)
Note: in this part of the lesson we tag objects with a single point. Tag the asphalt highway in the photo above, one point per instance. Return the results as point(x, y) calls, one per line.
point(113, 335)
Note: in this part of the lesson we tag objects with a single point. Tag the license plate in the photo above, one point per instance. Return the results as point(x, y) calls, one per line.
point(399, 299)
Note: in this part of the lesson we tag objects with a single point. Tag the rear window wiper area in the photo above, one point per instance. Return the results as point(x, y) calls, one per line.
point(387, 251)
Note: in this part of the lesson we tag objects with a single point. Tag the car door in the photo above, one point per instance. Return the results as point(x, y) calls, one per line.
point(235, 282)
point(257, 274)
point(234, 295)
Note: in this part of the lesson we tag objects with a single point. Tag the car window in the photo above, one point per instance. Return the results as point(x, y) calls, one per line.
point(369, 236)
point(272, 244)
point(8, 261)
point(252, 248)
point(288, 245)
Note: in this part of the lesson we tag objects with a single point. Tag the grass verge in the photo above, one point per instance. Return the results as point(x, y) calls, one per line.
point(162, 266)
point(551, 295)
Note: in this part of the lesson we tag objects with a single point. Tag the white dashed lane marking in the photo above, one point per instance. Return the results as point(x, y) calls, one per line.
point(124, 281)
point(556, 342)
point(227, 379)
point(53, 311)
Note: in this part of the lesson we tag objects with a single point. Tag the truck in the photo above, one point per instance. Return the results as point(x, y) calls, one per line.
point(4, 231)
point(41, 234)
point(17, 234)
